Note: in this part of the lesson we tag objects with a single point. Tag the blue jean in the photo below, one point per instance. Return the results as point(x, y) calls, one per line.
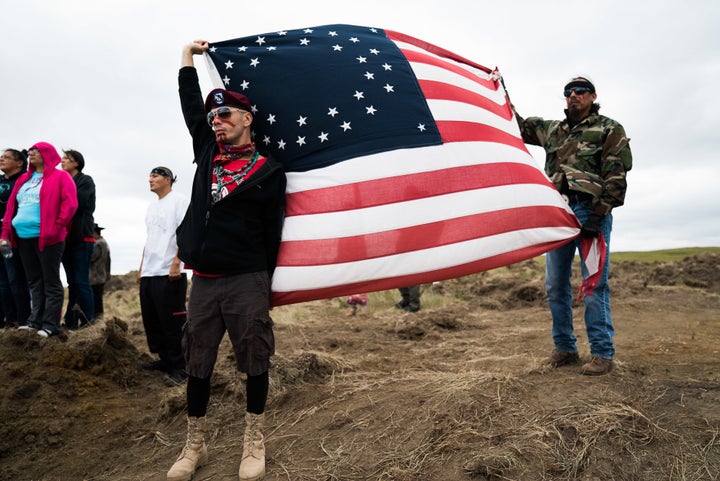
point(558, 271)
point(76, 261)
point(14, 291)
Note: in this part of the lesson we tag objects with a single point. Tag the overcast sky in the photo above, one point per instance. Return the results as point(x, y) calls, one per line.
point(101, 77)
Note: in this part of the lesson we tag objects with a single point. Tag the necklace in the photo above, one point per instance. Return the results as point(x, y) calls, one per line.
point(226, 177)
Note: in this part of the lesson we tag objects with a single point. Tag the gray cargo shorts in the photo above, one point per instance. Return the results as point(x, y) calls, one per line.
point(238, 304)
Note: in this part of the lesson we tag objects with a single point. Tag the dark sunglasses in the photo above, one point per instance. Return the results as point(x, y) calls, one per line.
point(223, 113)
point(578, 91)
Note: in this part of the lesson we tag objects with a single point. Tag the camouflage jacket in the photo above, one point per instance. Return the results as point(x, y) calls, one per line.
point(593, 157)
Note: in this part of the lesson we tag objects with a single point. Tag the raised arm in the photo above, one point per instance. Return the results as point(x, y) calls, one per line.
point(197, 47)
point(191, 99)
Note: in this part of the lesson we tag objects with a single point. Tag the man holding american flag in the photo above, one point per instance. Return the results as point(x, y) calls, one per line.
point(229, 237)
point(404, 166)
point(587, 158)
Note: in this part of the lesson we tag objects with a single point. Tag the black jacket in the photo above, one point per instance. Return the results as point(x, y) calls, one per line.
point(6, 187)
point(83, 222)
point(241, 232)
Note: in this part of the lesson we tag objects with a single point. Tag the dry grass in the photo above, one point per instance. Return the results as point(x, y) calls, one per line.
point(406, 425)
point(451, 393)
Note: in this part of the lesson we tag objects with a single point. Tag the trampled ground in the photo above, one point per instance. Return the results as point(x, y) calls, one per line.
point(454, 392)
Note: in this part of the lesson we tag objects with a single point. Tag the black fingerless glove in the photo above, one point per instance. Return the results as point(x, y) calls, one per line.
point(591, 227)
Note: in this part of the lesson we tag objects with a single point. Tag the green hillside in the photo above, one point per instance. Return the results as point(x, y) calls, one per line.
point(667, 255)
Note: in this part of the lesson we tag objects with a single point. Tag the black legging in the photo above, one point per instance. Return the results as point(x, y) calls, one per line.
point(198, 394)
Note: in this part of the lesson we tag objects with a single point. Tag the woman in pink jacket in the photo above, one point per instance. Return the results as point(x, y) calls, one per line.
point(38, 214)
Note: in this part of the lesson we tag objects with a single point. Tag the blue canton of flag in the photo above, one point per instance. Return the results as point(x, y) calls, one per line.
point(352, 93)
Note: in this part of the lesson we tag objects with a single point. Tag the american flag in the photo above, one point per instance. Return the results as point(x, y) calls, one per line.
point(405, 164)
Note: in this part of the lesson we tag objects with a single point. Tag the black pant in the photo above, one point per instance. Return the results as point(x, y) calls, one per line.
point(98, 291)
point(47, 295)
point(411, 296)
point(162, 303)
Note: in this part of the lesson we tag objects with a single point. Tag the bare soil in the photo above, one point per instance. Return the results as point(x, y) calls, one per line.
point(453, 392)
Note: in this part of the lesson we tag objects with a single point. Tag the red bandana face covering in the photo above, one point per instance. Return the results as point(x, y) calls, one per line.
point(230, 169)
point(238, 150)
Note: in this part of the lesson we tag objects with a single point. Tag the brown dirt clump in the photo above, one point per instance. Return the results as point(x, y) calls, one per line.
point(453, 392)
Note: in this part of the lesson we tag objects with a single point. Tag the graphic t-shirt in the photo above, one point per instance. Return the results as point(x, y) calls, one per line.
point(27, 219)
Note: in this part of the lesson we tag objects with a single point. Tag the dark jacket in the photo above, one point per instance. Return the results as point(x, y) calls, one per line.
point(241, 232)
point(100, 262)
point(6, 187)
point(83, 222)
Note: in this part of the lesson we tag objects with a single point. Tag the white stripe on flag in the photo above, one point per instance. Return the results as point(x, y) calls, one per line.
point(401, 162)
point(288, 279)
point(417, 212)
point(451, 110)
point(432, 72)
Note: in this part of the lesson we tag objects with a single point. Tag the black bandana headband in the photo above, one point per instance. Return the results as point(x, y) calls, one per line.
point(165, 172)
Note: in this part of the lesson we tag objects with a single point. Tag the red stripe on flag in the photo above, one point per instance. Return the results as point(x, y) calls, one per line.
point(426, 236)
point(443, 91)
point(401, 37)
point(419, 57)
point(421, 185)
point(493, 262)
point(461, 131)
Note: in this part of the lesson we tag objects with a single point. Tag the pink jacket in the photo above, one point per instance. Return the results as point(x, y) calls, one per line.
point(58, 200)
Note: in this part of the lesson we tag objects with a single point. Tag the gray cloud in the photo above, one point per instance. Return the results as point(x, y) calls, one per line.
point(100, 77)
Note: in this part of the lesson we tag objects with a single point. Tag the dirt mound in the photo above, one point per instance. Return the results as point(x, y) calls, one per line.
point(516, 286)
point(52, 385)
point(453, 392)
point(125, 282)
point(99, 351)
point(111, 354)
point(701, 271)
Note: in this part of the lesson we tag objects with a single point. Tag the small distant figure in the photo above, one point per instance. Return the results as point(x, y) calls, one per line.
point(99, 270)
point(410, 301)
point(356, 300)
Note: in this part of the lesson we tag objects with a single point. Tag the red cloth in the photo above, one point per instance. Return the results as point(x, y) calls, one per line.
point(229, 159)
point(237, 165)
point(593, 250)
point(357, 299)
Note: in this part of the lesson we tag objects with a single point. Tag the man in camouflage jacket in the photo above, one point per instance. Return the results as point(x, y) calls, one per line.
point(587, 158)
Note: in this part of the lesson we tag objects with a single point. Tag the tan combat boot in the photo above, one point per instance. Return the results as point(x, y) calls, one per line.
point(252, 465)
point(193, 455)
